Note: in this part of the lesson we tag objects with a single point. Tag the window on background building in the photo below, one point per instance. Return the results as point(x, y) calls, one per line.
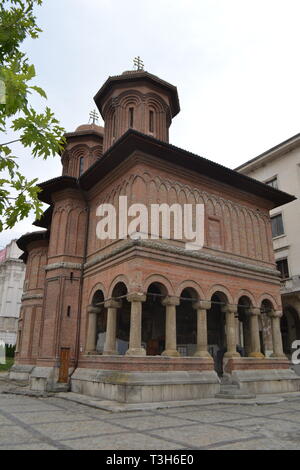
point(81, 166)
point(273, 183)
point(283, 267)
point(131, 111)
point(277, 225)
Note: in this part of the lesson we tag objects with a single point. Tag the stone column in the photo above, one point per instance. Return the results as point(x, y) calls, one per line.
point(276, 334)
point(111, 328)
point(254, 333)
point(171, 334)
point(230, 311)
point(135, 339)
point(92, 328)
point(201, 349)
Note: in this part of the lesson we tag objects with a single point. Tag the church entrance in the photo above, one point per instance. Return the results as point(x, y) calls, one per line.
point(153, 321)
point(186, 322)
point(216, 331)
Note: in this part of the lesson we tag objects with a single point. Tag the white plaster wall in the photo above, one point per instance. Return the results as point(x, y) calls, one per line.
point(12, 274)
point(287, 170)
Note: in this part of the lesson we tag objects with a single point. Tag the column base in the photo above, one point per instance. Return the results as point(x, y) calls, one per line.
point(136, 352)
point(110, 353)
point(258, 355)
point(230, 354)
point(203, 354)
point(171, 353)
point(279, 356)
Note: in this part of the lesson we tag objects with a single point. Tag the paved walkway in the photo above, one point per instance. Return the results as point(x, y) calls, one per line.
point(54, 423)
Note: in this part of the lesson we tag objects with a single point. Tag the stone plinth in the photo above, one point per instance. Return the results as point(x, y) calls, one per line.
point(145, 387)
point(257, 376)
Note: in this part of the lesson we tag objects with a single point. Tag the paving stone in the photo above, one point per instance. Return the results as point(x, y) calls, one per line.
point(29, 446)
point(56, 417)
point(153, 422)
point(67, 430)
point(208, 416)
point(264, 424)
point(128, 441)
point(258, 444)
point(199, 435)
point(13, 434)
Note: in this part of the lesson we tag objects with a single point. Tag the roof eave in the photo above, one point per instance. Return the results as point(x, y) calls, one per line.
point(270, 154)
point(133, 140)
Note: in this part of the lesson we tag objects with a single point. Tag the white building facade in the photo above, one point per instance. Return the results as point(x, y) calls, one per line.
point(280, 168)
point(12, 274)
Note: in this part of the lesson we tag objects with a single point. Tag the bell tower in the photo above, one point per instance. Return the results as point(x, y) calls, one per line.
point(138, 100)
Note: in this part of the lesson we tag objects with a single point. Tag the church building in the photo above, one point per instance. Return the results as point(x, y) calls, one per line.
point(144, 319)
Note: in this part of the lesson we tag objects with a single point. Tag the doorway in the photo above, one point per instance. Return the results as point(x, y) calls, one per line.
point(216, 331)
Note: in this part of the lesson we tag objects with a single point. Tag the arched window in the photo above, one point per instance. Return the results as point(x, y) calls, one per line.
point(81, 166)
point(151, 121)
point(114, 127)
point(130, 117)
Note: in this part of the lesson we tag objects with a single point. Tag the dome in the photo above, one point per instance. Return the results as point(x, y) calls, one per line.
point(90, 127)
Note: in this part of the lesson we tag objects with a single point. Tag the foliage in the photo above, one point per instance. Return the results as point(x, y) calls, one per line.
point(39, 131)
point(10, 350)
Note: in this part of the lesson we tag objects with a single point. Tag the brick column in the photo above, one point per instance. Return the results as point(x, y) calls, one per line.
point(254, 333)
point(171, 340)
point(201, 349)
point(135, 339)
point(230, 311)
point(111, 328)
point(92, 328)
point(276, 334)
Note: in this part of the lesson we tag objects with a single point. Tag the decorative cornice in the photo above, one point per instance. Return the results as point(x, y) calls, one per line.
point(32, 297)
point(198, 255)
point(52, 267)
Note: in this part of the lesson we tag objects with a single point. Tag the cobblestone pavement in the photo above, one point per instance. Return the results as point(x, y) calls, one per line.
point(54, 423)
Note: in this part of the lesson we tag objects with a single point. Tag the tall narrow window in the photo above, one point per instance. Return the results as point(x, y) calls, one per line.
point(114, 126)
point(277, 225)
point(131, 111)
point(151, 121)
point(81, 166)
point(283, 267)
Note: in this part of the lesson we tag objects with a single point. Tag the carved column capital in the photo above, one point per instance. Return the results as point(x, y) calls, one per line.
point(136, 297)
point(93, 309)
point(170, 301)
point(254, 311)
point(112, 304)
point(202, 305)
point(275, 313)
point(229, 308)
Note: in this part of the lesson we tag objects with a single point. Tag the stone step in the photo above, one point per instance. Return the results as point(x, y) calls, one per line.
point(232, 392)
point(235, 396)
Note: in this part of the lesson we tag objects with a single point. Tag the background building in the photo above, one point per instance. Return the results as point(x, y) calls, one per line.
point(279, 167)
point(12, 274)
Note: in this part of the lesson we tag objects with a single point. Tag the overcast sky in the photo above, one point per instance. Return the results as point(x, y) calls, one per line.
point(235, 63)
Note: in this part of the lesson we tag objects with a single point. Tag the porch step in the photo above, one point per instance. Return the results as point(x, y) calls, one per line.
point(60, 387)
point(232, 392)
